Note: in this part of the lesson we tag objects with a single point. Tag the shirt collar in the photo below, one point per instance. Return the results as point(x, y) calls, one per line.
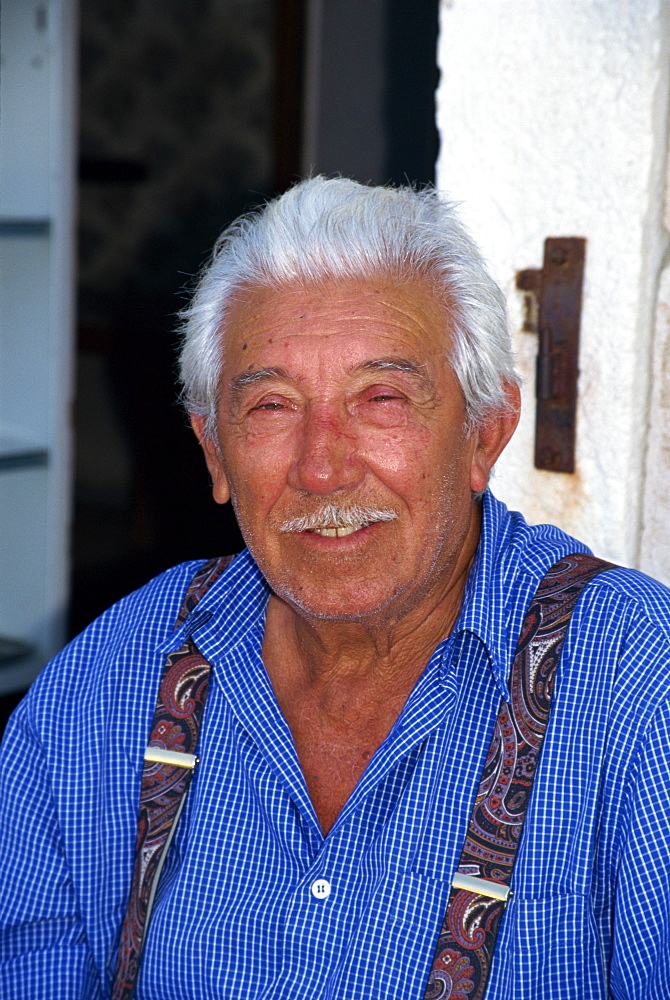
point(232, 608)
point(483, 610)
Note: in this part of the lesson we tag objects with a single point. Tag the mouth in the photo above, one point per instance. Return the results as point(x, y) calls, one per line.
point(328, 531)
point(335, 521)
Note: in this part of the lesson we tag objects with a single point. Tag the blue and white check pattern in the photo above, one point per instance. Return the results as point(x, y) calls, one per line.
point(235, 916)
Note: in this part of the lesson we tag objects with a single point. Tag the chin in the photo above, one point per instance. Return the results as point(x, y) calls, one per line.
point(343, 604)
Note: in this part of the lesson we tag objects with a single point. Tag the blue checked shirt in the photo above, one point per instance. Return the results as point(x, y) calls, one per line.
point(243, 909)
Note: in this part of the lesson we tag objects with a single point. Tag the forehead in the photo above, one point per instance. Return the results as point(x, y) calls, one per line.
point(407, 314)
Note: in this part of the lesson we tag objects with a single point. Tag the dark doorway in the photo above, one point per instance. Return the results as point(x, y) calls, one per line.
point(190, 114)
point(177, 138)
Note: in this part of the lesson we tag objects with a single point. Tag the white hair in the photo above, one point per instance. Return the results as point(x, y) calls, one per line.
point(334, 229)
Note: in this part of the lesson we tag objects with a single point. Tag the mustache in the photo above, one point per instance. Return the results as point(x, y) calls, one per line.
point(331, 515)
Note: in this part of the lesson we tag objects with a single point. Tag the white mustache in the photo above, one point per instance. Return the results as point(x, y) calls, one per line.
point(331, 515)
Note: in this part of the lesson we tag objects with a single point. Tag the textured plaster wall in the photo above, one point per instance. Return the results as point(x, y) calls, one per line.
point(655, 548)
point(553, 122)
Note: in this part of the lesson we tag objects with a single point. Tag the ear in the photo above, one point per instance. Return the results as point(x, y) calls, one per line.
point(492, 436)
point(220, 487)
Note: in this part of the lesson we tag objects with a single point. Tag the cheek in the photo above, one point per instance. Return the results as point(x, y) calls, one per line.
point(409, 454)
point(257, 470)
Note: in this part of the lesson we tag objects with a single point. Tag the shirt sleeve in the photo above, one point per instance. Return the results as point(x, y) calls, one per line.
point(640, 966)
point(43, 947)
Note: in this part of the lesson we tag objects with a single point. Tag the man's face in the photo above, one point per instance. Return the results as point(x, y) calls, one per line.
point(338, 405)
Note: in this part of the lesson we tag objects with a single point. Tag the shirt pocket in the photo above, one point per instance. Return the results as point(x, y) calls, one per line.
point(549, 949)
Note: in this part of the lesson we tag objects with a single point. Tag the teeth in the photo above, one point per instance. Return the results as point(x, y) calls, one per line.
point(337, 532)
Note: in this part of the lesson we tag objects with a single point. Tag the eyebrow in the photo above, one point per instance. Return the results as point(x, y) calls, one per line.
point(405, 365)
point(244, 379)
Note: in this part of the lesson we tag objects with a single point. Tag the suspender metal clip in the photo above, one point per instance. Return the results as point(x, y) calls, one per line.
point(157, 755)
point(483, 886)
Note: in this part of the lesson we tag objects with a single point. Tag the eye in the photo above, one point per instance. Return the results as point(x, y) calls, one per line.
point(382, 406)
point(384, 397)
point(382, 394)
point(270, 404)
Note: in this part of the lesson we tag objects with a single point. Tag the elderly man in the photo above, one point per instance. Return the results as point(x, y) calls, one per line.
point(363, 744)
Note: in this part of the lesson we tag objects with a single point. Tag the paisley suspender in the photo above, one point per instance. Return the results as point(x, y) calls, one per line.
point(481, 885)
point(169, 761)
point(480, 888)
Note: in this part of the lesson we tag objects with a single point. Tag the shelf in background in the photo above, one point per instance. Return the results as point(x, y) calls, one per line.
point(17, 454)
point(12, 650)
point(20, 663)
point(24, 227)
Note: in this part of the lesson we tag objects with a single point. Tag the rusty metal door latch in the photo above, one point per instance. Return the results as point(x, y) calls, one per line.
point(553, 303)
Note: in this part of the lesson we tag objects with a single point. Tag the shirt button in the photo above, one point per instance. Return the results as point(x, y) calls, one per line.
point(321, 888)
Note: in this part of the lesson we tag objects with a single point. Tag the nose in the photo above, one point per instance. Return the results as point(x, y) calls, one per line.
point(326, 456)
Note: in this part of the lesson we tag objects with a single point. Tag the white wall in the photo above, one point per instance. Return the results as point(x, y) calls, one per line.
point(655, 543)
point(553, 120)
